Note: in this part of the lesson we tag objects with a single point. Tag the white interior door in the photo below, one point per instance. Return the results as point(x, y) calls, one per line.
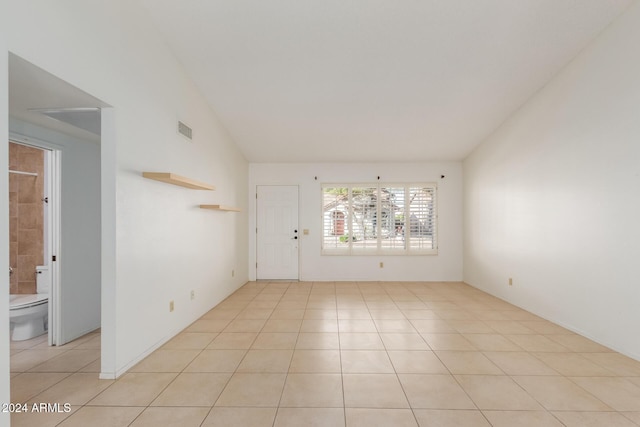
point(277, 232)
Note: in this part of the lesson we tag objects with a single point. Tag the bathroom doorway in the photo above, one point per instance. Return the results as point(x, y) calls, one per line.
point(34, 227)
point(63, 122)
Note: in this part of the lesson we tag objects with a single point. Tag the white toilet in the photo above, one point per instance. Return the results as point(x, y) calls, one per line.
point(29, 313)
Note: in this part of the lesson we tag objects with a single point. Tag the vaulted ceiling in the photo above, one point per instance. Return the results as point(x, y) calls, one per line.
point(373, 80)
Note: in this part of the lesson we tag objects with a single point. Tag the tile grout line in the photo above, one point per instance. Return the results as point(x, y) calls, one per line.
point(230, 376)
point(189, 364)
point(344, 395)
point(396, 373)
point(284, 384)
point(458, 383)
point(246, 352)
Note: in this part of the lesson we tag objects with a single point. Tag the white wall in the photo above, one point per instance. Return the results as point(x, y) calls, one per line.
point(446, 266)
point(163, 245)
point(552, 199)
point(79, 255)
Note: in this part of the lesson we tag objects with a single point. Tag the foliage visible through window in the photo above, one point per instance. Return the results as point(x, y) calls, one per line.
point(377, 219)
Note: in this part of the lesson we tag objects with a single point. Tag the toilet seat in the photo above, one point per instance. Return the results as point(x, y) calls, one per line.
point(18, 302)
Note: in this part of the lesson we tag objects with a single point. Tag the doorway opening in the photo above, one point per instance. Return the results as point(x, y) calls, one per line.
point(62, 123)
point(32, 241)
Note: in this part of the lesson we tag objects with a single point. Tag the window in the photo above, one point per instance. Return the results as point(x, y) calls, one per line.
point(374, 219)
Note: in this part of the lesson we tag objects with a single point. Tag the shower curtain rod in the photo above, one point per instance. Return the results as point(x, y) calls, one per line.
point(23, 173)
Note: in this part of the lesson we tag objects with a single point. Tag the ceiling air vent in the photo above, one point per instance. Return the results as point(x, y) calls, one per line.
point(185, 130)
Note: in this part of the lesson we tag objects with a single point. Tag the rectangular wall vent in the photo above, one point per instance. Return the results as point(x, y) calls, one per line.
point(185, 130)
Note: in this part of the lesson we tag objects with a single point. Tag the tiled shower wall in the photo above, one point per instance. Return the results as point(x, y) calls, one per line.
point(26, 217)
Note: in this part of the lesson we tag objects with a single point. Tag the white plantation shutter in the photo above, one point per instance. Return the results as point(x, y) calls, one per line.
point(364, 219)
point(392, 209)
point(335, 218)
point(421, 209)
point(374, 219)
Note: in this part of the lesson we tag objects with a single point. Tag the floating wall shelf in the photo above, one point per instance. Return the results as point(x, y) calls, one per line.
point(220, 208)
point(172, 178)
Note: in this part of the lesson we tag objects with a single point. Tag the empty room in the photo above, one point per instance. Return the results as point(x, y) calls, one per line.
point(323, 213)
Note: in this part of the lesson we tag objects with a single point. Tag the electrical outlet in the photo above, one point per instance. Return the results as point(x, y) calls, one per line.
point(233, 273)
point(381, 264)
point(510, 281)
point(170, 306)
point(193, 294)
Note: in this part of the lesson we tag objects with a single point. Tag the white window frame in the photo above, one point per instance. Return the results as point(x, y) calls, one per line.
point(353, 249)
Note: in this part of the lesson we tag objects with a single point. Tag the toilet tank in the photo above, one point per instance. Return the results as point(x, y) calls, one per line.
point(43, 279)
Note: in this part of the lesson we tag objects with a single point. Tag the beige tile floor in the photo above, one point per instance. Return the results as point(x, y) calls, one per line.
point(343, 354)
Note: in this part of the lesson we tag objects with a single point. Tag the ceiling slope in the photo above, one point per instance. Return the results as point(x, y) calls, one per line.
point(372, 80)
